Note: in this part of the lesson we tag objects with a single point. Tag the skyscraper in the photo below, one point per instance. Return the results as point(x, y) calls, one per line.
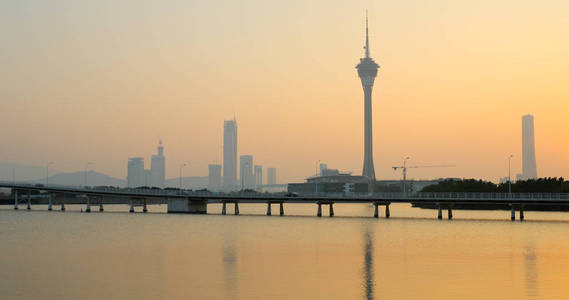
point(367, 71)
point(158, 168)
point(230, 154)
point(214, 177)
point(529, 168)
point(136, 175)
point(246, 174)
point(258, 175)
point(271, 176)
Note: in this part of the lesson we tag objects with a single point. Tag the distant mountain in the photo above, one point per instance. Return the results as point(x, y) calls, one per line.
point(192, 182)
point(23, 172)
point(78, 179)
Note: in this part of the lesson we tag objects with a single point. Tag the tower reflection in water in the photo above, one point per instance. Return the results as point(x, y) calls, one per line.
point(368, 275)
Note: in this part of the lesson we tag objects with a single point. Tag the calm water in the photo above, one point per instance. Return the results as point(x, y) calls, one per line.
point(117, 255)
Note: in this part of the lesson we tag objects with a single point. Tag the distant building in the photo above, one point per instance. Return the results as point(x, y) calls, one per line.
point(258, 176)
point(246, 174)
point(529, 168)
point(158, 168)
point(135, 176)
point(323, 167)
point(271, 176)
point(147, 178)
point(214, 182)
point(230, 154)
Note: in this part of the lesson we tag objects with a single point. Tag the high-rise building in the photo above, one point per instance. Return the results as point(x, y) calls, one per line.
point(367, 71)
point(322, 168)
point(158, 168)
point(258, 175)
point(246, 174)
point(136, 175)
point(230, 154)
point(271, 176)
point(214, 183)
point(529, 168)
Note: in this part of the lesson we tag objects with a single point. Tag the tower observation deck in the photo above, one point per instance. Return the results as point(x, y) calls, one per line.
point(367, 71)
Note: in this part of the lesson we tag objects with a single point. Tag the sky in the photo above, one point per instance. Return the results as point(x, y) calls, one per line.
point(101, 81)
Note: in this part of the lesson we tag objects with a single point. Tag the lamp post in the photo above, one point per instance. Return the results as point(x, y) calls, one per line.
point(47, 172)
point(85, 174)
point(181, 166)
point(509, 174)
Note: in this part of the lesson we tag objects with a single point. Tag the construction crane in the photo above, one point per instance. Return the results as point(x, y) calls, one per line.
point(404, 167)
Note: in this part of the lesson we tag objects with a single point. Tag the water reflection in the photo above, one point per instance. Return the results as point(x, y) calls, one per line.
point(229, 256)
point(530, 263)
point(368, 283)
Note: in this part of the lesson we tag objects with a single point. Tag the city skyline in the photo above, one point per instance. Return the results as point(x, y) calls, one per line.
point(456, 100)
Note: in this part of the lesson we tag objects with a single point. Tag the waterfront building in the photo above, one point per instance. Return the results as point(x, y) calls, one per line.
point(214, 182)
point(529, 168)
point(135, 172)
point(246, 168)
point(271, 176)
point(158, 168)
point(230, 154)
point(367, 71)
point(258, 175)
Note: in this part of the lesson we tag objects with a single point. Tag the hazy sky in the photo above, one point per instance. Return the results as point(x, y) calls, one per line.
point(102, 81)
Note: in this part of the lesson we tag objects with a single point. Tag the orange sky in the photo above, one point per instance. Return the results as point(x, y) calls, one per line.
point(101, 81)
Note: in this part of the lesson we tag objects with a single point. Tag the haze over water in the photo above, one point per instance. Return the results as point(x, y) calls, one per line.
point(117, 255)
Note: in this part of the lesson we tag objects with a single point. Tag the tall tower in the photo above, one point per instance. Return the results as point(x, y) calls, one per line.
point(367, 71)
point(230, 154)
point(158, 168)
point(529, 169)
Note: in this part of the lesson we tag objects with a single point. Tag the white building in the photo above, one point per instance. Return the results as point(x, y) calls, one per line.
point(246, 174)
point(258, 176)
point(529, 168)
point(230, 154)
point(158, 168)
point(136, 175)
point(214, 183)
point(271, 176)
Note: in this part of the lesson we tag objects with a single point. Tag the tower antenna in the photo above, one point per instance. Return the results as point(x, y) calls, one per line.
point(367, 38)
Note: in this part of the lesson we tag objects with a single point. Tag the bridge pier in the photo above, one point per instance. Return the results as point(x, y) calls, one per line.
point(29, 202)
point(15, 199)
point(450, 213)
point(224, 209)
point(63, 202)
point(513, 213)
point(440, 213)
point(281, 208)
point(236, 208)
point(144, 208)
point(131, 210)
point(101, 209)
point(319, 213)
point(331, 209)
point(88, 207)
point(521, 212)
point(375, 210)
point(387, 213)
point(49, 205)
point(268, 208)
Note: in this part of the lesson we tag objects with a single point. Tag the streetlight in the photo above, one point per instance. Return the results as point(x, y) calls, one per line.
point(85, 174)
point(509, 174)
point(181, 166)
point(47, 172)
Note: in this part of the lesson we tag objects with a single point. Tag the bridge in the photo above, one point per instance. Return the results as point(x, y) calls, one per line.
point(182, 201)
